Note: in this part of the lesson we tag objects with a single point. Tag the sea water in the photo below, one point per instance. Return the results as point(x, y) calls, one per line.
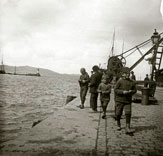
point(26, 99)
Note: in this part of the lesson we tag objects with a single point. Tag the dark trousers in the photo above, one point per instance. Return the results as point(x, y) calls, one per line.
point(120, 106)
point(83, 93)
point(104, 104)
point(93, 101)
point(119, 110)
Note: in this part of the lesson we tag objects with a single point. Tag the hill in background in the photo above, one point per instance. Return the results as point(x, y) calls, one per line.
point(33, 70)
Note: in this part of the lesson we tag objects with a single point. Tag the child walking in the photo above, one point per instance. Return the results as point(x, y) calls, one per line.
point(124, 90)
point(104, 89)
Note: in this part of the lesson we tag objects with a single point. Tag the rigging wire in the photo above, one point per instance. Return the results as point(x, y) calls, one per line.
point(136, 48)
point(139, 45)
point(130, 53)
point(112, 48)
point(122, 47)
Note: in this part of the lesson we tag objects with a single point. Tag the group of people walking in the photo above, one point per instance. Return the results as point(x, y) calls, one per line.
point(100, 83)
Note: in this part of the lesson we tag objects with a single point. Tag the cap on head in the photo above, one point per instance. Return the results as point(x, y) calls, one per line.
point(125, 70)
point(82, 70)
point(95, 68)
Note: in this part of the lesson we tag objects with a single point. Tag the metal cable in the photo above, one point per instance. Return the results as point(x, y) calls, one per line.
point(139, 45)
point(130, 53)
point(136, 48)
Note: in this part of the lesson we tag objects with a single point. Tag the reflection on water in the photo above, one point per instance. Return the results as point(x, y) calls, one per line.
point(24, 99)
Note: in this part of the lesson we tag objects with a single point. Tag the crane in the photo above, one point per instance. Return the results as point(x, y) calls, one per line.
point(116, 63)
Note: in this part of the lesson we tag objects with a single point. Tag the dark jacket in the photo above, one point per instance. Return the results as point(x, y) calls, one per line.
point(95, 81)
point(104, 90)
point(146, 83)
point(124, 85)
point(133, 77)
point(86, 79)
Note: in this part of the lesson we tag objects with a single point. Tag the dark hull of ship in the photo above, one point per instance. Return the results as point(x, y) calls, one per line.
point(30, 74)
point(2, 72)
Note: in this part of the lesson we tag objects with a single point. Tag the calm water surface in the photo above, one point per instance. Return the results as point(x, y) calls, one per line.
point(25, 99)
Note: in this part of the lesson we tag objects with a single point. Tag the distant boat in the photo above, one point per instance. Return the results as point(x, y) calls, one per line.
point(2, 71)
point(30, 74)
point(2, 68)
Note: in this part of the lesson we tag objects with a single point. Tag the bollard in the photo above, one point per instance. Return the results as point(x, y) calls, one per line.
point(145, 96)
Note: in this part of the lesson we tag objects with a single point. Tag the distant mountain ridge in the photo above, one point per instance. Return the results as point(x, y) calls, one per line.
point(33, 70)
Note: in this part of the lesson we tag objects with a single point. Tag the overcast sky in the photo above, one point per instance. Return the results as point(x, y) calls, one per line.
point(65, 35)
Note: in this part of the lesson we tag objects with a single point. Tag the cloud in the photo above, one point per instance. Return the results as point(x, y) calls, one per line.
point(24, 18)
point(65, 35)
point(161, 8)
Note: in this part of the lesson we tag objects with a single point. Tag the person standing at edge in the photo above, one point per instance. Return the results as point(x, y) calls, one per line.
point(133, 77)
point(94, 82)
point(146, 81)
point(124, 90)
point(83, 82)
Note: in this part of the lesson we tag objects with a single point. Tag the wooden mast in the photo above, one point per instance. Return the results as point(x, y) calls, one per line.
point(2, 69)
point(112, 49)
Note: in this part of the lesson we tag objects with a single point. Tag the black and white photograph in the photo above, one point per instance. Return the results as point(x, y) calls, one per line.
point(81, 77)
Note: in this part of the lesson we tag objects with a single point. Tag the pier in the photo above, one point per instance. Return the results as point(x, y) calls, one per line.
point(72, 131)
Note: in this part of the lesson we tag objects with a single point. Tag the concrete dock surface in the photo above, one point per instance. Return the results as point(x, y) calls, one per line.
point(72, 131)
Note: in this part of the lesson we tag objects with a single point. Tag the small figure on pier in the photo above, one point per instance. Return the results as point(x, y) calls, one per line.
point(83, 82)
point(133, 77)
point(152, 86)
point(146, 81)
point(104, 89)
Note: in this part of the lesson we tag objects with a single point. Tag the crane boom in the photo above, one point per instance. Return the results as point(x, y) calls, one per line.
point(148, 52)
